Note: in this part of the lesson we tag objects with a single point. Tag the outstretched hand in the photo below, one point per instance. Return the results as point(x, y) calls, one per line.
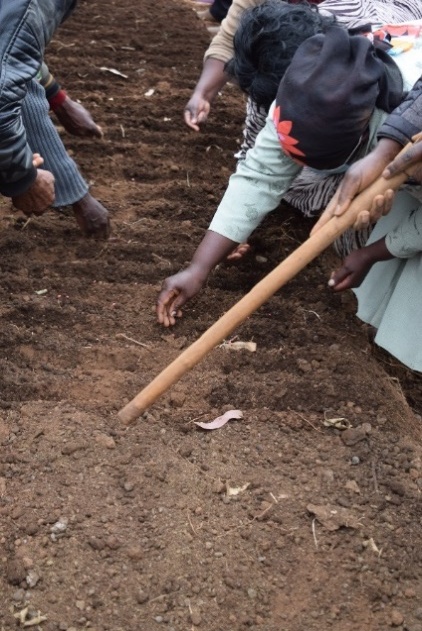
point(92, 217)
point(353, 271)
point(357, 264)
point(77, 120)
point(196, 111)
point(176, 291)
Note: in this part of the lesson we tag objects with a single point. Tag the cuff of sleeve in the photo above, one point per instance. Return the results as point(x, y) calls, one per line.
point(13, 189)
point(57, 100)
point(398, 129)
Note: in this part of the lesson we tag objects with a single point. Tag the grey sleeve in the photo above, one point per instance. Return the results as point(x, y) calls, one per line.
point(406, 120)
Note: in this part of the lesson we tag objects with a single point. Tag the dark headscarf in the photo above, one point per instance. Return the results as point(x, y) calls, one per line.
point(326, 98)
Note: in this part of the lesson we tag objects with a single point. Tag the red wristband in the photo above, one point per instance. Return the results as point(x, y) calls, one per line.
point(57, 100)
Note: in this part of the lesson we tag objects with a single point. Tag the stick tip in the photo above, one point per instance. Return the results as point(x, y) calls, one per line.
point(129, 414)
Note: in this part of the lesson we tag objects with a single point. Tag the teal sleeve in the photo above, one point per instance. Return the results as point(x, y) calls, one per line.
point(256, 188)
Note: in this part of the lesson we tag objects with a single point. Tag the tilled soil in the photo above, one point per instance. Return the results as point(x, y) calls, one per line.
point(303, 516)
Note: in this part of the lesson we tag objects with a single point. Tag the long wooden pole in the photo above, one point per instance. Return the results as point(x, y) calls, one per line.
point(284, 272)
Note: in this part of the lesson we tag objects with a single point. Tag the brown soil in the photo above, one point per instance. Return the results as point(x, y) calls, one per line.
point(109, 528)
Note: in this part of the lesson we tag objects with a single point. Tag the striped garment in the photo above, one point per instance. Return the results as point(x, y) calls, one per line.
point(311, 192)
point(355, 13)
point(43, 138)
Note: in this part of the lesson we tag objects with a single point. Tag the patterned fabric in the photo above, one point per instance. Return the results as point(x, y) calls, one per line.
point(311, 192)
point(350, 13)
point(261, 181)
point(377, 12)
point(308, 191)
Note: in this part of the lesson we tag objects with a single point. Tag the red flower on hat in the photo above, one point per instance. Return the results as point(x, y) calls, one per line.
point(287, 142)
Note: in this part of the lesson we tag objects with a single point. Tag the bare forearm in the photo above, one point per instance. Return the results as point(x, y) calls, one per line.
point(211, 251)
point(377, 251)
point(212, 79)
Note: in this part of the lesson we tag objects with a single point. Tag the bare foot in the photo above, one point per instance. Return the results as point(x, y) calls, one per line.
point(91, 217)
point(239, 252)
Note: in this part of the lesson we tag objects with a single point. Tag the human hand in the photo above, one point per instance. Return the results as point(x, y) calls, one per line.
point(410, 163)
point(357, 178)
point(76, 119)
point(176, 291)
point(37, 160)
point(353, 271)
point(196, 111)
point(39, 196)
point(91, 217)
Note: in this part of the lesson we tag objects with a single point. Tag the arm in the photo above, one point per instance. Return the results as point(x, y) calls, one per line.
point(254, 190)
point(402, 125)
point(178, 289)
point(404, 241)
point(357, 178)
point(27, 29)
point(361, 175)
point(213, 77)
point(357, 265)
point(72, 115)
point(406, 120)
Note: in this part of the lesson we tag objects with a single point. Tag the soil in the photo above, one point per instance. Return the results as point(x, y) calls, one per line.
point(306, 514)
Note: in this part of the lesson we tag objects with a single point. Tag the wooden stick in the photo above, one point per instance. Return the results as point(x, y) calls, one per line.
point(284, 272)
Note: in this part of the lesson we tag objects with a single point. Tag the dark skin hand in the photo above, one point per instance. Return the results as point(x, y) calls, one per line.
point(92, 218)
point(357, 178)
point(77, 120)
point(357, 265)
point(410, 162)
point(212, 79)
point(178, 289)
point(39, 196)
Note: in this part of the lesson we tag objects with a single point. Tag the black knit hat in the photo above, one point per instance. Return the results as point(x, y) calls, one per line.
point(326, 98)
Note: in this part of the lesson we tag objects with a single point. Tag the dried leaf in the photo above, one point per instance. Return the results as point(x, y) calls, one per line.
point(235, 490)
point(334, 517)
point(371, 544)
point(114, 71)
point(337, 423)
point(238, 346)
point(22, 617)
point(352, 485)
point(221, 420)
